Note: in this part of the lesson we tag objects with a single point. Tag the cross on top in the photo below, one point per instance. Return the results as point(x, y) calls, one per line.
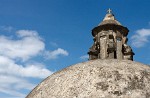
point(109, 11)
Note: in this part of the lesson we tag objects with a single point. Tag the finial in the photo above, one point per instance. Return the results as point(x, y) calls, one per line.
point(109, 11)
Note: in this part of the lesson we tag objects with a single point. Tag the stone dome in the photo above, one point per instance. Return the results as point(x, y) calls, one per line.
point(97, 79)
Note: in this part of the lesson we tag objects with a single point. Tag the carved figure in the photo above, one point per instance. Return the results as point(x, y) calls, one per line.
point(128, 54)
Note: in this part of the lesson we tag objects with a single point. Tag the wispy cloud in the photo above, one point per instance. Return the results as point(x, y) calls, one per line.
point(140, 38)
point(84, 57)
point(54, 44)
point(11, 85)
point(56, 53)
point(6, 28)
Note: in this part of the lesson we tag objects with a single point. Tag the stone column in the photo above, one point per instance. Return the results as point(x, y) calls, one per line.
point(103, 47)
point(119, 48)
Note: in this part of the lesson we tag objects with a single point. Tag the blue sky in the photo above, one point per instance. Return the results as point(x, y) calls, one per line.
point(40, 37)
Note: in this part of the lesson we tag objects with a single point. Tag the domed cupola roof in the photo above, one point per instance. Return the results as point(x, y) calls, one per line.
point(109, 19)
point(110, 23)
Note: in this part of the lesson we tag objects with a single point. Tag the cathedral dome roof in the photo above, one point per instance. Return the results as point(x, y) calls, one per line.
point(109, 78)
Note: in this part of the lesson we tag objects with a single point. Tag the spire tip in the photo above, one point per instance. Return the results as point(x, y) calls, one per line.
point(109, 11)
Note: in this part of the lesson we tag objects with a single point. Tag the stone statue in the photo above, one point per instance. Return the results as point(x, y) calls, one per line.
point(128, 54)
point(93, 53)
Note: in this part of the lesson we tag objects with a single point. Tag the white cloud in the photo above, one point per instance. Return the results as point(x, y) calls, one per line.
point(11, 85)
point(13, 93)
point(140, 38)
point(10, 80)
point(8, 66)
point(84, 57)
point(29, 45)
point(16, 68)
point(27, 33)
point(56, 53)
point(15, 76)
point(35, 71)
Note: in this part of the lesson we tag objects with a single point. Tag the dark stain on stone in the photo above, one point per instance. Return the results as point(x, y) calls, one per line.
point(101, 85)
point(129, 78)
point(117, 75)
point(147, 95)
point(136, 83)
point(73, 91)
point(118, 93)
point(146, 74)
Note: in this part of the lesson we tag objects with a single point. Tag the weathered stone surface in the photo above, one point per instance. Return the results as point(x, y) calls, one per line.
point(97, 79)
